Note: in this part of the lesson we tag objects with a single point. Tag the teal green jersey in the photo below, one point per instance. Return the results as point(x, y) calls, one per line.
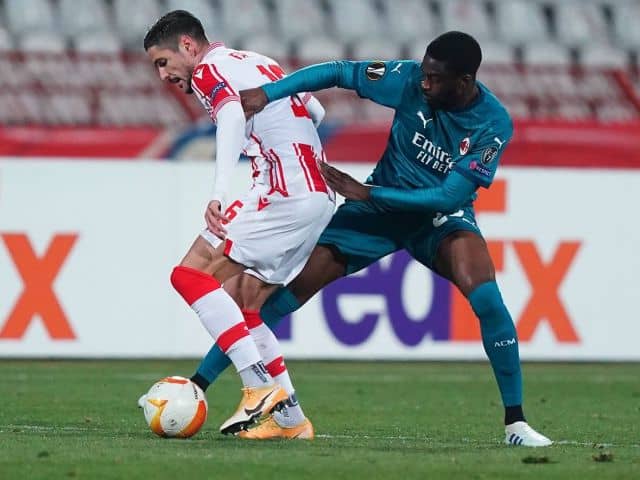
point(425, 145)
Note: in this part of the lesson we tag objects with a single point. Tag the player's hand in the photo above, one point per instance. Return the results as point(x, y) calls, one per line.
point(344, 184)
point(215, 219)
point(253, 100)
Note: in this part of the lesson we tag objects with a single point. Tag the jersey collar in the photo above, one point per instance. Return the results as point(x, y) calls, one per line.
point(214, 46)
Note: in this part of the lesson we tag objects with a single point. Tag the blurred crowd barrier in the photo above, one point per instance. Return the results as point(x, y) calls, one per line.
point(86, 250)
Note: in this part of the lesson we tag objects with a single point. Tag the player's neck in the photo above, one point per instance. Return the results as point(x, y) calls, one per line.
point(468, 97)
point(471, 95)
point(202, 50)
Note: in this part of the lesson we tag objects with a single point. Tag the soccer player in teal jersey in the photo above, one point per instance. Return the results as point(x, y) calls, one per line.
point(446, 139)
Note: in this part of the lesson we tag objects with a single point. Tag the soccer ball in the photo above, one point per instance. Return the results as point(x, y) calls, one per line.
point(175, 407)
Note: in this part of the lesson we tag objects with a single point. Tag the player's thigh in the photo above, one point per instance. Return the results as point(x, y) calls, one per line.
point(453, 246)
point(323, 266)
point(248, 290)
point(362, 234)
point(204, 257)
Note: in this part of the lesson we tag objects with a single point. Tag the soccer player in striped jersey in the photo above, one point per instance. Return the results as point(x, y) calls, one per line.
point(260, 240)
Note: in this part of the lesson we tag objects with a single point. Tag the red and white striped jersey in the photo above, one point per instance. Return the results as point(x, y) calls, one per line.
point(281, 140)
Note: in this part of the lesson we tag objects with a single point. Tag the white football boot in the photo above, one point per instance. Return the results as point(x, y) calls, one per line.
point(520, 433)
point(142, 400)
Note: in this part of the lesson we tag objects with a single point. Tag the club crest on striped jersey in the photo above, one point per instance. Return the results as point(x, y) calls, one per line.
point(375, 70)
point(464, 145)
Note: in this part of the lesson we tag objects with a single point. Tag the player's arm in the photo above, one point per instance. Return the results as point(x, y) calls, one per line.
point(230, 139)
point(448, 197)
point(475, 169)
point(217, 94)
point(374, 80)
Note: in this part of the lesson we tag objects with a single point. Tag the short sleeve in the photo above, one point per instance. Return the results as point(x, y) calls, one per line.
point(383, 82)
point(480, 163)
point(213, 88)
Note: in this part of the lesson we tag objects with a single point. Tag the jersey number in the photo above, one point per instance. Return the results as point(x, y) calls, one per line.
point(440, 219)
point(273, 72)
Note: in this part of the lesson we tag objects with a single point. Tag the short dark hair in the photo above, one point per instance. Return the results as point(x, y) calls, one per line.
point(460, 51)
point(167, 30)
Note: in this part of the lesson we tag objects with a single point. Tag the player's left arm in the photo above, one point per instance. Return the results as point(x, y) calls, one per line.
point(474, 170)
point(448, 197)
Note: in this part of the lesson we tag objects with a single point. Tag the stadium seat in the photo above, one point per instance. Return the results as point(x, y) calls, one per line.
point(497, 53)
point(414, 21)
point(571, 111)
point(492, 52)
point(241, 19)
point(625, 17)
point(604, 56)
point(133, 19)
point(49, 42)
point(314, 49)
point(375, 49)
point(469, 16)
point(24, 16)
point(98, 42)
point(267, 45)
point(578, 22)
point(82, 17)
point(517, 108)
point(616, 111)
point(298, 19)
point(204, 11)
point(546, 54)
point(356, 19)
point(521, 21)
point(6, 43)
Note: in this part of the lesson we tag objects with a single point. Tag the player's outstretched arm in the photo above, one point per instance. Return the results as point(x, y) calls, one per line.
point(450, 196)
point(308, 79)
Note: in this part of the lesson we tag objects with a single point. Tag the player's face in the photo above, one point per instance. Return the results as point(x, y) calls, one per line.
point(172, 66)
point(439, 85)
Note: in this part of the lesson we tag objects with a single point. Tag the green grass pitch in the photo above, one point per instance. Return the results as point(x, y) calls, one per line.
point(78, 419)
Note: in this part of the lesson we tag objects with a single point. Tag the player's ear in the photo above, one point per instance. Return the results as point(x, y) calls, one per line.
point(465, 80)
point(187, 44)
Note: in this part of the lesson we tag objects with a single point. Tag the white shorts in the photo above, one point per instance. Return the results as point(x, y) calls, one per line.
point(274, 235)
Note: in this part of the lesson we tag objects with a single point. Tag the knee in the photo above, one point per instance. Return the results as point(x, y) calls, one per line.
point(192, 284)
point(486, 300)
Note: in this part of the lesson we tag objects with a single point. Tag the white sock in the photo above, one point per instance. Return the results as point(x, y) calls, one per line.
point(291, 415)
point(224, 321)
point(255, 376)
point(269, 348)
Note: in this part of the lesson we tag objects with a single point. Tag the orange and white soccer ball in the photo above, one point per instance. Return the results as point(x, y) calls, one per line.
point(175, 407)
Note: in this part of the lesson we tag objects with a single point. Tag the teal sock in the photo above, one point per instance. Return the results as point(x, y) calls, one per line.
point(500, 341)
point(279, 304)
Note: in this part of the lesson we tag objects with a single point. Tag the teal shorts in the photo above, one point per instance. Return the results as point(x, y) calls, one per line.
point(364, 233)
